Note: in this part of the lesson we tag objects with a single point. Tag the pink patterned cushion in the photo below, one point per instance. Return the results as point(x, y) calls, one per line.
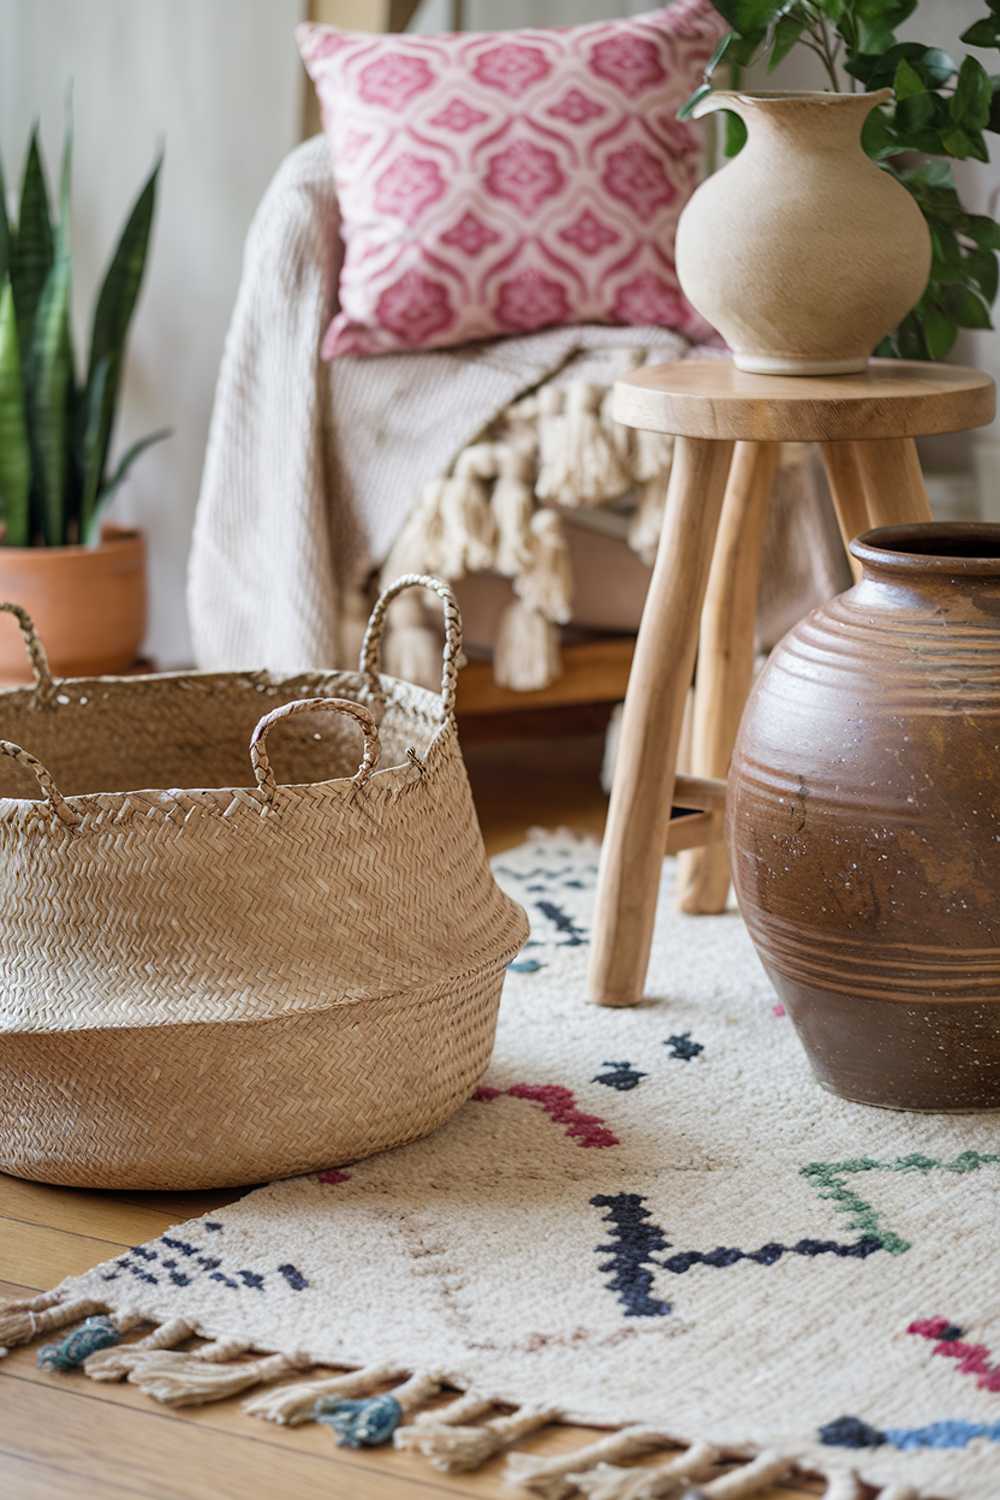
point(495, 183)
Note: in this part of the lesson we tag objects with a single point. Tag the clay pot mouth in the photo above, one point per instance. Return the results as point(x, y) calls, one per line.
point(112, 536)
point(969, 548)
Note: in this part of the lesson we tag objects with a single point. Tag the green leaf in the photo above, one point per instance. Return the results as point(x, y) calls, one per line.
point(96, 409)
point(115, 306)
point(984, 33)
point(966, 307)
point(878, 69)
point(915, 112)
point(981, 265)
point(958, 143)
point(748, 15)
point(910, 338)
point(932, 174)
point(31, 252)
point(907, 80)
point(50, 394)
point(5, 230)
point(786, 33)
point(970, 103)
point(982, 230)
point(51, 384)
point(877, 136)
point(736, 134)
point(127, 459)
point(940, 332)
point(15, 454)
point(947, 251)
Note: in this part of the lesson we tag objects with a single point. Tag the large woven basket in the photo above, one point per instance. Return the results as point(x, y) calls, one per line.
point(208, 982)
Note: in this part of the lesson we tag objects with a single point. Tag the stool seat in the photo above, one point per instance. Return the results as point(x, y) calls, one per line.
point(702, 597)
point(710, 398)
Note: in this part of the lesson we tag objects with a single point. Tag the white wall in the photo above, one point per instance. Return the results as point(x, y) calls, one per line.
point(218, 83)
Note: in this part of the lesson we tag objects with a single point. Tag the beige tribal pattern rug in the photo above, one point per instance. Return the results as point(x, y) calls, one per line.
point(648, 1219)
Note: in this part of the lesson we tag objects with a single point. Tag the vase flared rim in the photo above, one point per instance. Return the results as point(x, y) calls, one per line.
point(807, 96)
point(952, 548)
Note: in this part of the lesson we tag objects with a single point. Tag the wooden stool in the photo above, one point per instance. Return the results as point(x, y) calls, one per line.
point(728, 425)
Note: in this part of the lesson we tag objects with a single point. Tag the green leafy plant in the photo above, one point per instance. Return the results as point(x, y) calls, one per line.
point(941, 109)
point(55, 429)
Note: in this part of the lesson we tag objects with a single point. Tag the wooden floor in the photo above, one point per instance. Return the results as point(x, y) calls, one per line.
point(68, 1438)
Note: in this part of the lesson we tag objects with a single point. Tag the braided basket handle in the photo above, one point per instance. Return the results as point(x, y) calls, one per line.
point(261, 761)
point(50, 792)
point(45, 688)
point(371, 648)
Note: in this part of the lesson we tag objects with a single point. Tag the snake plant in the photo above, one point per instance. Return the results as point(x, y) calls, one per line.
point(55, 428)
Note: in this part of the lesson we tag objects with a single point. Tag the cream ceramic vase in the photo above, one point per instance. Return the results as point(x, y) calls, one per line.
point(801, 251)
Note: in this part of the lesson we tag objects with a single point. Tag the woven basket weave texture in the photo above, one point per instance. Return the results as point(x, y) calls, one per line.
point(224, 968)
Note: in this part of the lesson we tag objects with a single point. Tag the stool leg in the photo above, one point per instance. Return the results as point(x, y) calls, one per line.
point(725, 654)
point(893, 481)
point(847, 486)
point(632, 853)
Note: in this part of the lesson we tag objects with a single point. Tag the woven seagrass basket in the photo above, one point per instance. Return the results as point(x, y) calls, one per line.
point(205, 982)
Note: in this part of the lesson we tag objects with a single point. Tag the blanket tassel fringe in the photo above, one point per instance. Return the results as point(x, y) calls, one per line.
point(362, 1413)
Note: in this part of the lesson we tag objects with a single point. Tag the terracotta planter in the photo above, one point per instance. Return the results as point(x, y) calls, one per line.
point(864, 823)
point(88, 605)
point(801, 251)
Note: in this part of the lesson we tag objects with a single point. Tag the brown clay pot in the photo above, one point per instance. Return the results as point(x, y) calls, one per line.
point(864, 823)
point(88, 605)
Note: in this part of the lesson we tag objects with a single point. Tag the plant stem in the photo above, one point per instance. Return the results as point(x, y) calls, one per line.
point(820, 43)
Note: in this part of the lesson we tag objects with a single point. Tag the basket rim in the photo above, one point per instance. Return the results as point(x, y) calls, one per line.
point(422, 703)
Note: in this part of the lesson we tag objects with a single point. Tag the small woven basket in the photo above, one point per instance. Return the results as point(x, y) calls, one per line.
point(206, 983)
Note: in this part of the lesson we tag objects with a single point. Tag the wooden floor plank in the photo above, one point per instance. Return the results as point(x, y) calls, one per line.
point(111, 1216)
point(152, 1454)
point(36, 1255)
point(24, 1479)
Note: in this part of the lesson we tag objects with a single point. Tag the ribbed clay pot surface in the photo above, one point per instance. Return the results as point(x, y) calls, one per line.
point(88, 605)
point(864, 823)
point(801, 251)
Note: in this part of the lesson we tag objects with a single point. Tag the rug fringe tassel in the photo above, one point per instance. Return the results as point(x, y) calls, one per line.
point(372, 1421)
point(665, 1482)
point(211, 1374)
point(22, 1322)
point(843, 1484)
point(459, 1449)
point(115, 1363)
point(898, 1492)
point(551, 1477)
point(458, 1412)
point(749, 1480)
point(290, 1405)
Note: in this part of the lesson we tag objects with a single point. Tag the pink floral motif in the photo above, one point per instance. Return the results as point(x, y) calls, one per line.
point(408, 186)
point(632, 62)
point(393, 79)
point(458, 116)
point(531, 300)
point(647, 298)
point(511, 67)
point(588, 234)
point(638, 177)
point(524, 174)
point(470, 235)
point(325, 43)
point(415, 308)
point(576, 108)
